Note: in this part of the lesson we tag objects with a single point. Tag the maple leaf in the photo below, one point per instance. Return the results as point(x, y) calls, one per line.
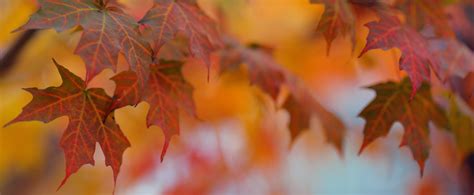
point(263, 70)
point(107, 31)
point(415, 58)
point(167, 18)
point(337, 18)
point(301, 106)
point(128, 90)
point(88, 121)
point(167, 91)
point(392, 103)
point(265, 73)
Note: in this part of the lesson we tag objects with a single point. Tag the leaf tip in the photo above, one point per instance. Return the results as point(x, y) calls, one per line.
point(16, 30)
point(208, 74)
point(58, 66)
point(165, 148)
point(9, 123)
point(328, 48)
point(362, 147)
point(421, 163)
point(21, 28)
point(115, 184)
point(340, 151)
point(338, 145)
point(362, 52)
point(63, 181)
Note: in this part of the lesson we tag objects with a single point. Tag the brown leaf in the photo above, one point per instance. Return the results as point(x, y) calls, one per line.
point(302, 106)
point(392, 103)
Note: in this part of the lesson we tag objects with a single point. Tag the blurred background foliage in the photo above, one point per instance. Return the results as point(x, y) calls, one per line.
point(241, 143)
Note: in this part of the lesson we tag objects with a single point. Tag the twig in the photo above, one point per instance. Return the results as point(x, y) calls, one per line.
point(8, 60)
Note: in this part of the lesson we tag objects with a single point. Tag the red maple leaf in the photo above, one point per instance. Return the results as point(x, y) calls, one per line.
point(415, 58)
point(338, 18)
point(167, 91)
point(127, 91)
point(88, 121)
point(107, 31)
point(167, 18)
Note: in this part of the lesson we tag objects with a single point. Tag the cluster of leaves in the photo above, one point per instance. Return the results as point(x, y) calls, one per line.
point(450, 60)
point(109, 31)
point(271, 78)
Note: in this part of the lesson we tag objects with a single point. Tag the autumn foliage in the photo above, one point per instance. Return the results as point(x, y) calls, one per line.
point(438, 88)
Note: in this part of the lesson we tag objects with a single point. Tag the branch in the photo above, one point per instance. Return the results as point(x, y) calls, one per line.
point(9, 59)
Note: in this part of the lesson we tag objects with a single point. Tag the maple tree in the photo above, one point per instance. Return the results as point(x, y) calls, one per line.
point(418, 29)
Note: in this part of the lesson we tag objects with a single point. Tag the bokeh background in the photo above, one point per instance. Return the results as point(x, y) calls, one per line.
point(241, 145)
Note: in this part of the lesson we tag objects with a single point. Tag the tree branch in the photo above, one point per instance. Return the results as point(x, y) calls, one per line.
point(9, 59)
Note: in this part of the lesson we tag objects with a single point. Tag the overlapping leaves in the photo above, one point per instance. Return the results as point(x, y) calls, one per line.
point(416, 59)
point(447, 58)
point(88, 121)
point(167, 18)
point(167, 91)
point(339, 18)
point(389, 32)
point(107, 32)
point(270, 77)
